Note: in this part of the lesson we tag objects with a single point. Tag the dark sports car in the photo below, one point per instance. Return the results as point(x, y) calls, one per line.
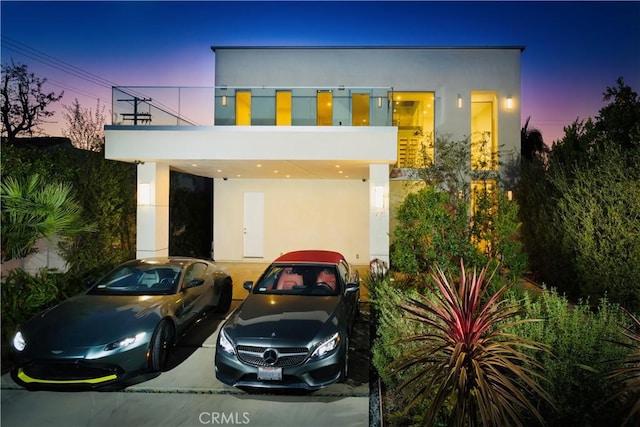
point(292, 331)
point(122, 326)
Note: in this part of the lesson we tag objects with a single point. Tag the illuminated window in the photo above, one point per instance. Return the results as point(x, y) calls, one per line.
point(360, 109)
point(413, 114)
point(484, 138)
point(324, 108)
point(283, 108)
point(483, 209)
point(243, 108)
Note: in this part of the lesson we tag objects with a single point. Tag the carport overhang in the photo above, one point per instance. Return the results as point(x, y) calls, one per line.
point(257, 152)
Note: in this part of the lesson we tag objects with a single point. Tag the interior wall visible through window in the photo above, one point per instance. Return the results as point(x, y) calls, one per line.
point(243, 108)
point(283, 108)
point(484, 138)
point(324, 108)
point(414, 116)
point(360, 109)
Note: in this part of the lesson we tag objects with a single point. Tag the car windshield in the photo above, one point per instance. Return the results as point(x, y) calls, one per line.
point(141, 279)
point(297, 279)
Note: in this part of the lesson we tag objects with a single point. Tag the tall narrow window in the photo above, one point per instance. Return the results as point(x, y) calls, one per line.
point(484, 138)
point(413, 114)
point(360, 109)
point(283, 108)
point(324, 105)
point(243, 108)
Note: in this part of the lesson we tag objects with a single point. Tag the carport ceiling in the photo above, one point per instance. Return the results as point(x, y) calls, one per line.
point(272, 169)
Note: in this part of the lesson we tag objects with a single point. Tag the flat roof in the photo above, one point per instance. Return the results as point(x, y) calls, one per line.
point(487, 47)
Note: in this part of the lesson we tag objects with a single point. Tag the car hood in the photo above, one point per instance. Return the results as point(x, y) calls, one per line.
point(91, 320)
point(284, 318)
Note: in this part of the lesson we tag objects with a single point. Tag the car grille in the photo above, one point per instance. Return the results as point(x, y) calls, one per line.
point(287, 356)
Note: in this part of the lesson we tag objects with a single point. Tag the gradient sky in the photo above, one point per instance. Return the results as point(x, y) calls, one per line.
point(573, 50)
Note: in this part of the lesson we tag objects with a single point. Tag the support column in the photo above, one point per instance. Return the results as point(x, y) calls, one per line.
point(152, 239)
point(379, 212)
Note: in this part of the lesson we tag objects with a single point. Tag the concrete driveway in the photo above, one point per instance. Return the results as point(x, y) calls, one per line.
point(188, 394)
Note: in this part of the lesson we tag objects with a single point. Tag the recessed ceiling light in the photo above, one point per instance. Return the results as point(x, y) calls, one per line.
point(340, 172)
point(288, 176)
point(258, 165)
point(195, 165)
point(219, 170)
point(275, 171)
point(337, 166)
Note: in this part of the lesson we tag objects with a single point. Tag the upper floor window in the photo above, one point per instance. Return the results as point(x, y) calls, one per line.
point(243, 108)
point(484, 138)
point(283, 108)
point(324, 108)
point(413, 115)
point(360, 109)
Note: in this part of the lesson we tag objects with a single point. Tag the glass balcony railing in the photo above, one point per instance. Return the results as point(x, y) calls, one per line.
point(233, 106)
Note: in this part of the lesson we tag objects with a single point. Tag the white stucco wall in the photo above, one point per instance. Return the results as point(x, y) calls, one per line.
point(448, 72)
point(299, 214)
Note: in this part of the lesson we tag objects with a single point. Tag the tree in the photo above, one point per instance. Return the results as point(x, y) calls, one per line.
point(85, 127)
point(580, 205)
point(33, 209)
point(531, 141)
point(24, 104)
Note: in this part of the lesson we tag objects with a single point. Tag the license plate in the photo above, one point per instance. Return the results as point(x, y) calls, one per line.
point(270, 373)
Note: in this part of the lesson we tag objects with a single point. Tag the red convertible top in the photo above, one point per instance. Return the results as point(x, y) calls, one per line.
point(328, 257)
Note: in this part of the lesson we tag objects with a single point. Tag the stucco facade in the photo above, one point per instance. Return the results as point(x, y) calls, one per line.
point(309, 185)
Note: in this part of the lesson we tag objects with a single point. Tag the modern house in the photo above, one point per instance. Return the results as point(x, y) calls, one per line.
point(307, 146)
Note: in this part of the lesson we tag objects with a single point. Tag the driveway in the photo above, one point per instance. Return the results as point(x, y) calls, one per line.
point(188, 394)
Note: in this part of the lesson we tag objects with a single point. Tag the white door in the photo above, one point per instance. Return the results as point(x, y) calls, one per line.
point(253, 238)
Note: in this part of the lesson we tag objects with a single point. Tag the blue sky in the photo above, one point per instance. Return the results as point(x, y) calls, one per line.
point(573, 50)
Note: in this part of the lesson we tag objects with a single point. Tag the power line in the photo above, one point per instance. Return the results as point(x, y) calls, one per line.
point(49, 60)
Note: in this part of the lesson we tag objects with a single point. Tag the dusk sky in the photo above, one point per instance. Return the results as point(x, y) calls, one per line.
point(573, 50)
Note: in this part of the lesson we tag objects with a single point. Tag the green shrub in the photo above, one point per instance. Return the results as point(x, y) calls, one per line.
point(580, 351)
point(24, 295)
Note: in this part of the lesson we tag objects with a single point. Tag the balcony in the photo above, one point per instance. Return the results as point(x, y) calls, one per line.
point(220, 106)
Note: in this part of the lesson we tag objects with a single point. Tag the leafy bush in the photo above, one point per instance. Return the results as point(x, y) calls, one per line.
point(434, 229)
point(24, 295)
point(578, 359)
point(105, 189)
point(580, 205)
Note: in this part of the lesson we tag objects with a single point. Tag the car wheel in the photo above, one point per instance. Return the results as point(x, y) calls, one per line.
point(224, 302)
point(159, 347)
point(345, 366)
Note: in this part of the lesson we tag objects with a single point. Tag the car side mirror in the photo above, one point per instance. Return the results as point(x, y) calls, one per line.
point(193, 283)
point(248, 285)
point(352, 287)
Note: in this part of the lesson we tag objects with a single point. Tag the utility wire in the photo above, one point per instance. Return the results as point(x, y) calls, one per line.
point(44, 58)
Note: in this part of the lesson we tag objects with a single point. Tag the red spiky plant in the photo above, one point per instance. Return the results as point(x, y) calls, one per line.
point(465, 359)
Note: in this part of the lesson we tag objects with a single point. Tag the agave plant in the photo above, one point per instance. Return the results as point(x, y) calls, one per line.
point(465, 361)
point(629, 372)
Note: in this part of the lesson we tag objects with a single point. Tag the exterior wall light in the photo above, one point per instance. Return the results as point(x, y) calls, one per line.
point(509, 103)
point(459, 101)
point(144, 193)
point(379, 102)
point(224, 100)
point(378, 197)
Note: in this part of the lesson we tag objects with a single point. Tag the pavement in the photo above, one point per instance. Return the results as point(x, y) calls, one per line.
point(189, 382)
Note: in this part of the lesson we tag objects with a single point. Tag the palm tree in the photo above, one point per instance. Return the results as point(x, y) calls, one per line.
point(464, 358)
point(531, 141)
point(33, 209)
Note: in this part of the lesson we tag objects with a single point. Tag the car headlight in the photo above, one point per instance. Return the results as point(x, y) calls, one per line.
point(125, 342)
point(225, 343)
point(18, 341)
point(327, 345)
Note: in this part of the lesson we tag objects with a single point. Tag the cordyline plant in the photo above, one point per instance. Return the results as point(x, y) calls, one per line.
point(465, 360)
point(629, 372)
